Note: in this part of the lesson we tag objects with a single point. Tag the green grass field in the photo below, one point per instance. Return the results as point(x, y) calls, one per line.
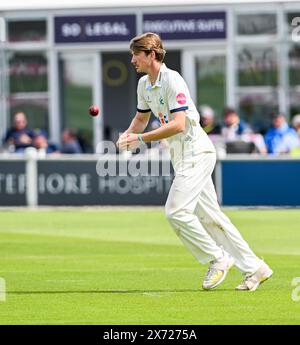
point(128, 267)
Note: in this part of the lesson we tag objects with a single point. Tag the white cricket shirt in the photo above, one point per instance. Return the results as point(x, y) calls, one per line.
point(167, 96)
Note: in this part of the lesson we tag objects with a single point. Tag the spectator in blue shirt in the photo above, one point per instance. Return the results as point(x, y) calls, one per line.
point(70, 143)
point(19, 136)
point(234, 127)
point(43, 146)
point(280, 138)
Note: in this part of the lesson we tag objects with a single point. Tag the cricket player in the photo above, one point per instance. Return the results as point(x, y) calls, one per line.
point(192, 207)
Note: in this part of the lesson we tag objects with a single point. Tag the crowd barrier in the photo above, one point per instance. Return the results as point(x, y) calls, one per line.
point(73, 180)
point(65, 180)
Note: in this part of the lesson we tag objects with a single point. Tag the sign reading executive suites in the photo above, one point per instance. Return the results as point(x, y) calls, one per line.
point(82, 29)
point(186, 26)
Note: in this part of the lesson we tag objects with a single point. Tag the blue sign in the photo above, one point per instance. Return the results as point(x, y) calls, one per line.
point(186, 26)
point(83, 29)
point(266, 183)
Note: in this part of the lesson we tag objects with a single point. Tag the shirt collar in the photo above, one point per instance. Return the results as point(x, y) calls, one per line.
point(149, 86)
point(283, 128)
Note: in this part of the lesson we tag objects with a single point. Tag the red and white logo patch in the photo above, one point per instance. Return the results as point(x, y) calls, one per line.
point(161, 117)
point(181, 98)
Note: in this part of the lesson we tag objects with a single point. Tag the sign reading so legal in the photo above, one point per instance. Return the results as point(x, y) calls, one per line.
point(186, 26)
point(81, 29)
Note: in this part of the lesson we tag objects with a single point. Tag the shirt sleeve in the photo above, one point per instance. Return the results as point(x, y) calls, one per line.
point(142, 106)
point(177, 93)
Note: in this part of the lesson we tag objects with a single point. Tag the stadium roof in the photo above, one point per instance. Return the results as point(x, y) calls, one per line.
point(8, 5)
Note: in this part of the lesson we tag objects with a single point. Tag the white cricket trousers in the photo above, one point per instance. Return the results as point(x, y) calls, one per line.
point(194, 213)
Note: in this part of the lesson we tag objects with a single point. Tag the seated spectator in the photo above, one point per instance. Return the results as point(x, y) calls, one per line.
point(237, 133)
point(296, 124)
point(207, 120)
point(280, 138)
point(19, 136)
point(234, 126)
point(70, 142)
point(40, 142)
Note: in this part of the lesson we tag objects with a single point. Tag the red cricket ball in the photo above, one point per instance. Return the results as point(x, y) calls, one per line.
point(94, 110)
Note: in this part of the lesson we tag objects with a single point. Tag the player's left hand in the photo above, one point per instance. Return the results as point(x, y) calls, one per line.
point(128, 141)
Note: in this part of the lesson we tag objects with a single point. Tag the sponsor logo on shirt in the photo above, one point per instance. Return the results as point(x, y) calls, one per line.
point(181, 98)
point(161, 100)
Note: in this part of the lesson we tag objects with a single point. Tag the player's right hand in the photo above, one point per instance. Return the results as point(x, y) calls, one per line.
point(120, 142)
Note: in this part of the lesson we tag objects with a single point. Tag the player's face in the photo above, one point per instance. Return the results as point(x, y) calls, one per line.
point(141, 61)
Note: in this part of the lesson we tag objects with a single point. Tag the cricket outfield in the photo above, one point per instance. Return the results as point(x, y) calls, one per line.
point(114, 266)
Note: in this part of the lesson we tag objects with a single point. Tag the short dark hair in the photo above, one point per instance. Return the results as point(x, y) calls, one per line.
point(229, 110)
point(275, 115)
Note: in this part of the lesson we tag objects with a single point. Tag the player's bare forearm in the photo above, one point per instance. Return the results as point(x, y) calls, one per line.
point(177, 125)
point(139, 123)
